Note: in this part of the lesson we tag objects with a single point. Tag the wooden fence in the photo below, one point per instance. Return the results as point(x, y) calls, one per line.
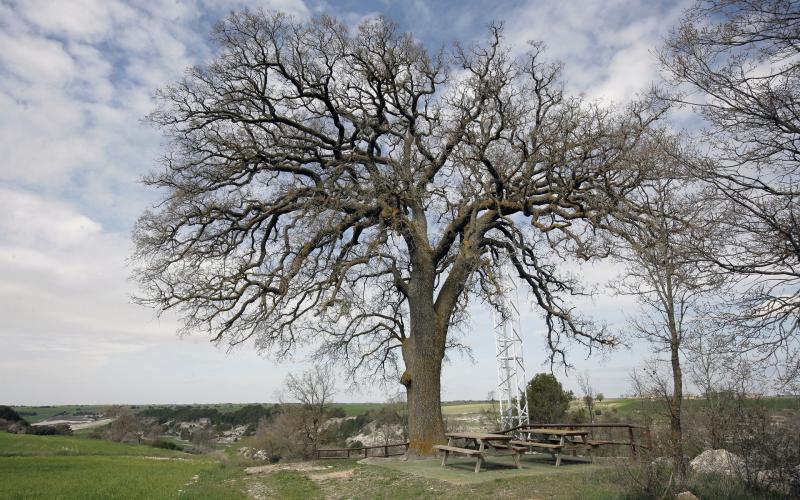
point(364, 451)
point(631, 431)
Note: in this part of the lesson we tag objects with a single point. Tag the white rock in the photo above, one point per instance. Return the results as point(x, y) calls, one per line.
point(717, 461)
point(375, 435)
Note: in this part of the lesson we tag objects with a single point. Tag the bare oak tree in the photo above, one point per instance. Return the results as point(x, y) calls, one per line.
point(670, 282)
point(313, 390)
point(587, 394)
point(356, 191)
point(736, 63)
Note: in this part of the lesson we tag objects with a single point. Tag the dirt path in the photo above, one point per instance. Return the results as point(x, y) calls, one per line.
point(339, 474)
point(297, 467)
point(320, 474)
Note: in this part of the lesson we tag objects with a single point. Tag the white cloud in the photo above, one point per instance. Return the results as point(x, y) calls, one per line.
point(75, 19)
point(294, 7)
point(62, 269)
point(605, 45)
point(35, 59)
point(30, 220)
point(69, 324)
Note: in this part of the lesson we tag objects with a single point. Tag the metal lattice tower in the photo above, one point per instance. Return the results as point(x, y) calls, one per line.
point(510, 365)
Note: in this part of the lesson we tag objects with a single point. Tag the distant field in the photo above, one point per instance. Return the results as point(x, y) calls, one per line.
point(354, 409)
point(629, 409)
point(465, 409)
point(632, 409)
point(625, 409)
point(35, 414)
point(448, 407)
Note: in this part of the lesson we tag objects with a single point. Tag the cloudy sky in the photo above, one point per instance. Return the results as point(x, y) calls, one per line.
point(76, 78)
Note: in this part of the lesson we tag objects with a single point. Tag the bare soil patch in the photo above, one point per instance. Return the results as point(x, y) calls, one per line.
point(259, 491)
point(298, 467)
point(340, 474)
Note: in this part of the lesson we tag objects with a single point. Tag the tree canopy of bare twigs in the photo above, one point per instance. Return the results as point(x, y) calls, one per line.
point(738, 63)
point(314, 388)
point(355, 190)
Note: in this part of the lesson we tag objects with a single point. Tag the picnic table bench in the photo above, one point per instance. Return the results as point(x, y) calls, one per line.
point(485, 445)
point(563, 438)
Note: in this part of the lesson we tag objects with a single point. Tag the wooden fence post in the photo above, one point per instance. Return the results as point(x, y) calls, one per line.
point(633, 441)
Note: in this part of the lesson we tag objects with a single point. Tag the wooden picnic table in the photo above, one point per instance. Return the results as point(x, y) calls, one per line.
point(483, 444)
point(563, 436)
point(592, 442)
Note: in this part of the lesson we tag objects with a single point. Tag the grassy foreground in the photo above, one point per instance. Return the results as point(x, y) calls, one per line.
point(61, 467)
point(56, 467)
point(95, 477)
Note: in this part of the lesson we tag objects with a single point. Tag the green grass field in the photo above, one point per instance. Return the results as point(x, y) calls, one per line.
point(56, 467)
point(91, 477)
point(27, 445)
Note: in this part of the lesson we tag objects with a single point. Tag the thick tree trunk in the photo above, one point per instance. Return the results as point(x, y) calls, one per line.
point(423, 352)
point(422, 379)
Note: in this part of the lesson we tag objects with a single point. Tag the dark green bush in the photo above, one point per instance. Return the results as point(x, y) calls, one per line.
point(8, 413)
point(337, 412)
point(547, 399)
point(50, 430)
point(167, 445)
